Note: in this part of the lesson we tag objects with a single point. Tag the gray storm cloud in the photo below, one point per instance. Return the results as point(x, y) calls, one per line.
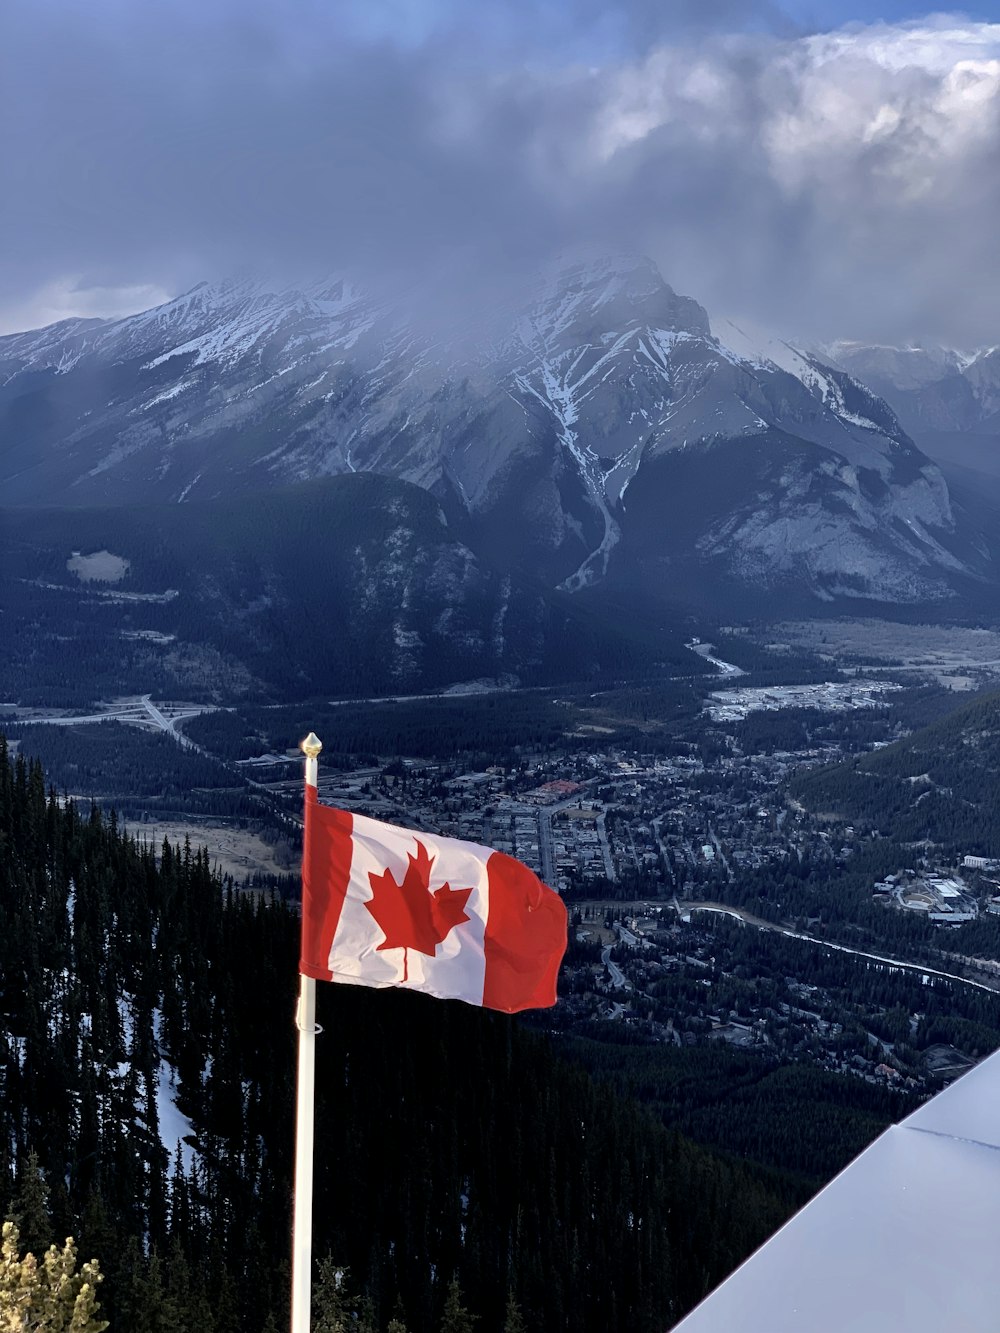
point(840, 184)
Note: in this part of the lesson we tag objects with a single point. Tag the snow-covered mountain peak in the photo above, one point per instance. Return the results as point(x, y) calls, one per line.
point(593, 297)
point(762, 351)
point(755, 346)
point(547, 420)
point(911, 365)
point(602, 277)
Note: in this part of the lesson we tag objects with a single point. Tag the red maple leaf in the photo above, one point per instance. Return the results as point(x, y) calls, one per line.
point(409, 914)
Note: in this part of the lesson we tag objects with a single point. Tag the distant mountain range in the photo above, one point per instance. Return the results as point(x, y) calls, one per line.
point(597, 434)
point(947, 401)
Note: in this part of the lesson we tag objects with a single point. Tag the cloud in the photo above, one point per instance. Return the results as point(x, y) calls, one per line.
point(840, 184)
point(844, 181)
point(65, 298)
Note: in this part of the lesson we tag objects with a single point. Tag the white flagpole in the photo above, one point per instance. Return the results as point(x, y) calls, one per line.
point(305, 1021)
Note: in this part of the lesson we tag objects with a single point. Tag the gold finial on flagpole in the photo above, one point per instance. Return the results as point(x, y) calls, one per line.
point(311, 746)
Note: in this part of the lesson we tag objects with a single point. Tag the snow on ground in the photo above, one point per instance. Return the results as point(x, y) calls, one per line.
point(167, 394)
point(125, 1003)
point(175, 1127)
point(762, 351)
point(99, 567)
point(829, 696)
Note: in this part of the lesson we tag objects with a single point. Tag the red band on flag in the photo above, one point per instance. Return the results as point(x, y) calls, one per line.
point(525, 938)
point(384, 906)
point(326, 873)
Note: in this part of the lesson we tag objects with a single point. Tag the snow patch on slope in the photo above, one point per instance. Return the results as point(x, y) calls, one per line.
point(759, 350)
point(175, 1127)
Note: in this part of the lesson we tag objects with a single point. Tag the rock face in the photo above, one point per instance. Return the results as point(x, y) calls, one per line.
point(599, 431)
point(948, 401)
point(930, 388)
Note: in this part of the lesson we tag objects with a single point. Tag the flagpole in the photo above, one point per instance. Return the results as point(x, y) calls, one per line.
point(305, 1021)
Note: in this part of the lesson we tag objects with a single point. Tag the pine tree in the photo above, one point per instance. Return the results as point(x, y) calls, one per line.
point(30, 1206)
point(456, 1318)
point(330, 1312)
point(397, 1324)
point(513, 1319)
point(364, 1317)
point(52, 1295)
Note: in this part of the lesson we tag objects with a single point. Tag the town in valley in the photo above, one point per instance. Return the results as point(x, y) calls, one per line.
point(707, 896)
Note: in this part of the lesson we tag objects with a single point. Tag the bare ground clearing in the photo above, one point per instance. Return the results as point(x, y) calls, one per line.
point(235, 851)
point(960, 656)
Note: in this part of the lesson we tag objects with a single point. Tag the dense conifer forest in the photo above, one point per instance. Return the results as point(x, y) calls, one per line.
point(142, 998)
point(107, 758)
point(235, 601)
point(940, 783)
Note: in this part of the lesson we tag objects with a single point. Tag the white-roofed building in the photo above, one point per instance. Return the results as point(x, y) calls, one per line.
point(904, 1238)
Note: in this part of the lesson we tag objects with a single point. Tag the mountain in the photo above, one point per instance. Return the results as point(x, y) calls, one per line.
point(948, 401)
point(354, 585)
point(594, 432)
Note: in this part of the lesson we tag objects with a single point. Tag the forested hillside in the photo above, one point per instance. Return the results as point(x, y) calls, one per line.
point(350, 585)
point(146, 1071)
point(942, 783)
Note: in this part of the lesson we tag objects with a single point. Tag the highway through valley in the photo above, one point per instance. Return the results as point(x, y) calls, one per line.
point(758, 923)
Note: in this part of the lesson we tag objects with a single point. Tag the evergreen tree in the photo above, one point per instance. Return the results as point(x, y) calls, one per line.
point(30, 1206)
point(330, 1309)
point(397, 1324)
point(513, 1319)
point(51, 1296)
point(456, 1318)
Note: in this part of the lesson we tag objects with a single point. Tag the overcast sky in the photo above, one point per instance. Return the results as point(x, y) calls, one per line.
point(828, 170)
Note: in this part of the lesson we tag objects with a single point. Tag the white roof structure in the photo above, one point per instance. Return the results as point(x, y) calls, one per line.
point(907, 1237)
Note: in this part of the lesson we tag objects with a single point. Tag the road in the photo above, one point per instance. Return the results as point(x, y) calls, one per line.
point(759, 923)
point(158, 717)
point(618, 978)
point(544, 814)
point(668, 871)
point(545, 856)
point(705, 650)
point(434, 694)
point(602, 833)
point(714, 840)
point(140, 711)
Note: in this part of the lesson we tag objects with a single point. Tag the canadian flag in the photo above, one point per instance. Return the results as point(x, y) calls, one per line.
point(387, 906)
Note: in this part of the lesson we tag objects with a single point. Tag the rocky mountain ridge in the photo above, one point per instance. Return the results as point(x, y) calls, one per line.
point(598, 432)
point(947, 400)
point(933, 387)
